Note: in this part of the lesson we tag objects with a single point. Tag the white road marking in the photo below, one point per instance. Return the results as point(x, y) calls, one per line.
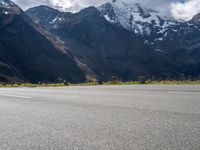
point(15, 96)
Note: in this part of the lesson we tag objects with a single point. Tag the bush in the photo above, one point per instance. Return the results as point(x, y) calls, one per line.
point(142, 79)
point(66, 83)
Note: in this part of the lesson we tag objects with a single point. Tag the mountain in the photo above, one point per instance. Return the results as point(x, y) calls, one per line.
point(178, 41)
point(29, 53)
point(94, 42)
point(128, 41)
point(149, 23)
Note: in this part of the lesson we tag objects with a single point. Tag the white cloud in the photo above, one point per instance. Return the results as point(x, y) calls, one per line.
point(64, 5)
point(75, 5)
point(25, 4)
point(180, 9)
point(185, 10)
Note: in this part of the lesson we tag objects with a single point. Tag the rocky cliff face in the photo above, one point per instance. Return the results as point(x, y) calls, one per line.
point(29, 53)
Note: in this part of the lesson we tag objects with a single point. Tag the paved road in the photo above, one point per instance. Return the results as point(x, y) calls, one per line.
point(100, 118)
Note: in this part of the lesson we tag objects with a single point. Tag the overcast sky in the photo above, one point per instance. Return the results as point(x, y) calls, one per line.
point(180, 9)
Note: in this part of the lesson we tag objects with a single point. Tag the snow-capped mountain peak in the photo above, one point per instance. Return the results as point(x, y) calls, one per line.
point(151, 24)
point(132, 16)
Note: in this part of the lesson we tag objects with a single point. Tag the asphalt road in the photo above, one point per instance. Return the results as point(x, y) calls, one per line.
point(149, 117)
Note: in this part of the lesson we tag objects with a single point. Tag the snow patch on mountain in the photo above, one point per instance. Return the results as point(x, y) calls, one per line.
point(8, 7)
point(134, 17)
point(58, 18)
point(5, 3)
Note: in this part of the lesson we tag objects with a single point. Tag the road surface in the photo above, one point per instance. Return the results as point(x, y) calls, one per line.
point(146, 117)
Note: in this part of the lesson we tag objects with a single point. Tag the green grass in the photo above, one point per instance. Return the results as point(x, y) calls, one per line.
point(153, 82)
point(104, 83)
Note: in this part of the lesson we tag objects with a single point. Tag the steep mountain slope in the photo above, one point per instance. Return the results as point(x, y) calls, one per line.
point(29, 53)
point(128, 41)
